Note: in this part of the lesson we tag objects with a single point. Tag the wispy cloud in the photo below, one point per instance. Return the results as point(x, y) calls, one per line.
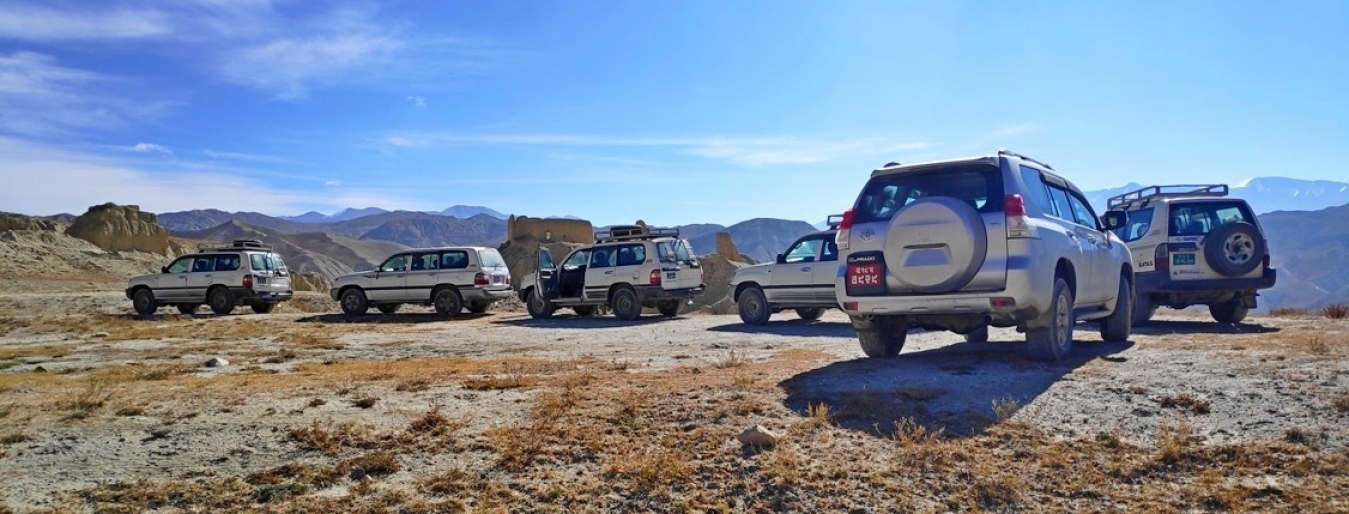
point(237, 156)
point(417, 101)
point(39, 96)
point(739, 150)
point(151, 147)
point(333, 183)
point(45, 23)
point(287, 67)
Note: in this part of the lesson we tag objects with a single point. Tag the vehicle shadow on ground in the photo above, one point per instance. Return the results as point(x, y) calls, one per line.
point(401, 318)
point(1164, 327)
point(584, 322)
point(959, 389)
point(796, 327)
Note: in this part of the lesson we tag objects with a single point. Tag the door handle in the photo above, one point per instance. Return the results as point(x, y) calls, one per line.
point(805, 268)
point(608, 273)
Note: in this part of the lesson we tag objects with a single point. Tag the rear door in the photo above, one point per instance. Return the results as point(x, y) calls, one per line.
point(545, 274)
point(824, 272)
point(424, 274)
point(201, 278)
point(389, 280)
point(1083, 250)
point(1101, 284)
point(601, 272)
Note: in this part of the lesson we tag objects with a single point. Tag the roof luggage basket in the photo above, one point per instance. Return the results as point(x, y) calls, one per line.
point(251, 244)
point(633, 233)
point(834, 221)
point(1172, 191)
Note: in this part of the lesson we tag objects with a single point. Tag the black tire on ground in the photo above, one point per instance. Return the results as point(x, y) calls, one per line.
point(1054, 342)
point(389, 308)
point(1231, 311)
point(478, 307)
point(881, 336)
point(979, 335)
point(668, 308)
point(1234, 249)
point(354, 302)
point(810, 313)
point(1143, 309)
point(263, 308)
point(1115, 328)
point(188, 308)
point(448, 302)
point(625, 304)
point(221, 301)
point(584, 310)
point(144, 302)
point(538, 307)
point(753, 306)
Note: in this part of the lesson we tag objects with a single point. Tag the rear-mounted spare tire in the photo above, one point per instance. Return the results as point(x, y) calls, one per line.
point(936, 245)
point(1234, 249)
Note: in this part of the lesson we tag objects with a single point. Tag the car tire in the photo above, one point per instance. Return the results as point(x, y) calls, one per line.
point(1234, 249)
point(1143, 310)
point(810, 313)
point(478, 307)
point(221, 301)
point(188, 308)
point(979, 335)
point(668, 309)
point(881, 336)
point(1115, 328)
point(448, 302)
point(538, 307)
point(625, 304)
point(753, 306)
point(584, 311)
point(1232, 311)
point(263, 308)
point(389, 308)
point(1052, 343)
point(144, 302)
point(354, 302)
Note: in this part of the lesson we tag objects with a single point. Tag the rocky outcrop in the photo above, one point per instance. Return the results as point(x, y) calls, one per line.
point(309, 281)
point(21, 222)
point(121, 228)
point(717, 274)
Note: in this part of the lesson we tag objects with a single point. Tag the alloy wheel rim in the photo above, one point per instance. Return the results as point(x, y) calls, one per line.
point(754, 306)
point(1061, 319)
point(1239, 248)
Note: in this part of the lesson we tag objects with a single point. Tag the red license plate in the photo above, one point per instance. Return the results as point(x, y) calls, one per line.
point(866, 279)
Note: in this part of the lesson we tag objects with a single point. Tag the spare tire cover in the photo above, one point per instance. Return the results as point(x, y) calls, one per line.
point(936, 245)
point(1235, 248)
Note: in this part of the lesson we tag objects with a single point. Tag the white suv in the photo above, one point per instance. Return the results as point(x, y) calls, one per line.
point(220, 275)
point(450, 279)
point(965, 244)
point(1195, 246)
point(628, 267)
point(802, 278)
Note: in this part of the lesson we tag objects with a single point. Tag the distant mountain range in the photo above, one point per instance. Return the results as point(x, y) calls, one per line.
point(458, 211)
point(762, 239)
point(1311, 251)
point(1265, 194)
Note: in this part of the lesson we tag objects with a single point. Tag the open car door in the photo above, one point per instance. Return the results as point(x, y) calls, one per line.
point(546, 275)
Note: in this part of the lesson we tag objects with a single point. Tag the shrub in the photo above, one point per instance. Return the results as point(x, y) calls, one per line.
point(1336, 311)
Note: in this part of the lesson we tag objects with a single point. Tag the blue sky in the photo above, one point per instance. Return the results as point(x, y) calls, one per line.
point(673, 112)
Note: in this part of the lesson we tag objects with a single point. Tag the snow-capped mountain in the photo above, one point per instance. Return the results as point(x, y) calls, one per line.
point(1265, 194)
point(469, 211)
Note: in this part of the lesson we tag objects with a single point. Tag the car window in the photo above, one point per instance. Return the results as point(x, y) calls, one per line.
point(227, 262)
point(181, 265)
point(602, 257)
point(1036, 191)
point(1140, 222)
point(577, 260)
point(490, 258)
point(803, 251)
point(201, 264)
point(1083, 213)
point(257, 261)
point(426, 261)
point(1197, 219)
point(454, 260)
point(979, 185)
point(275, 263)
point(631, 255)
point(830, 252)
point(1059, 200)
point(396, 263)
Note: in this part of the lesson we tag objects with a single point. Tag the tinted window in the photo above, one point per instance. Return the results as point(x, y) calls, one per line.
point(973, 184)
point(631, 255)
point(1140, 222)
point(804, 251)
point(426, 261)
point(257, 261)
point(454, 260)
point(201, 264)
point(396, 263)
point(1059, 200)
point(1197, 219)
point(275, 263)
point(830, 252)
point(1083, 213)
point(181, 265)
point(226, 262)
point(602, 257)
point(1036, 191)
point(546, 259)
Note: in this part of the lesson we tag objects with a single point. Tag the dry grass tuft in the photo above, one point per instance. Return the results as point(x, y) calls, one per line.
point(1340, 401)
point(1184, 402)
point(1336, 311)
point(364, 401)
point(1176, 440)
point(93, 396)
point(15, 438)
point(732, 360)
point(312, 339)
point(412, 386)
point(1288, 312)
point(1004, 408)
point(330, 442)
point(498, 382)
point(434, 422)
point(818, 415)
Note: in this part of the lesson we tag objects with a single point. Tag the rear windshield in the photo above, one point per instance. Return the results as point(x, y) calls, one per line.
point(674, 252)
point(1200, 218)
point(266, 262)
point(979, 185)
point(490, 258)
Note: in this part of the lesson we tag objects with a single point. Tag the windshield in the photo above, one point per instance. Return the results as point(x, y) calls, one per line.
point(491, 258)
point(974, 184)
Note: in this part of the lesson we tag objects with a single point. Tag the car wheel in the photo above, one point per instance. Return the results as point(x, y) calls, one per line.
point(1234, 249)
point(810, 314)
point(263, 308)
point(668, 309)
point(753, 306)
point(538, 307)
point(1143, 310)
point(221, 301)
point(584, 310)
point(354, 302)
point(1231, 311)
point(1053, 342)
point(979, 335)
point(388, 308)
point(881, 336)
point(144, 302)
point(448, 302)
point(188, 308)
point(1115, 328)
point(625, 304)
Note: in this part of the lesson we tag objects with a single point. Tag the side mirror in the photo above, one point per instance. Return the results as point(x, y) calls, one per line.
point(782, 259)
point(1114, 219)
point(163, 269)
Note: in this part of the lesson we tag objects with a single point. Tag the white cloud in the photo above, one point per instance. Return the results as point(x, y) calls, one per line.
point(417, 101)
point(288, 66)
point(43, 23)
point(333, 183)
point(151, 147)
point(39, 96)
point(237, 156)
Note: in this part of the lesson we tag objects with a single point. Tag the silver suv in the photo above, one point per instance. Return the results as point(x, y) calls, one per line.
point(1196, 246)
point(965, 244)
point(627, 268)
point(244, 271)
point(449, 279)
point(802, 278)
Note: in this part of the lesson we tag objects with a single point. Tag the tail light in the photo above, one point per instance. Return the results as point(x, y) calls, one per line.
point(1014, 206)
point(655, 277)
point(480, 279)
point(844, 230)
point(248, 281)
point(1161, 259)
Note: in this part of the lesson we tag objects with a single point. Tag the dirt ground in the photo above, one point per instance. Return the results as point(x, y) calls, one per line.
point(102, 411)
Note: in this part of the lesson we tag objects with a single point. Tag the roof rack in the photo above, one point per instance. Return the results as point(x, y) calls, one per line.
point(633, 233)
point(251, 244)
point(1004, 151)
point(833, 221)
point(1171, 191)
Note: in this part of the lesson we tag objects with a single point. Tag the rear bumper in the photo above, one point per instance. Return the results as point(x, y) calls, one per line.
point(1161, 282)
point(1030, 296)
point(249, 295)
point(647, 293)
point(492, 295)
